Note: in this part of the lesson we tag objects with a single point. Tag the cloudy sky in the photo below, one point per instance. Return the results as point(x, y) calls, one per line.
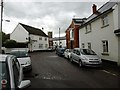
point(49, 15)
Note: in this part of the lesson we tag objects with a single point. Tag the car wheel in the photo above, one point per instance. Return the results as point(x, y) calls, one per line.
point(80, 63)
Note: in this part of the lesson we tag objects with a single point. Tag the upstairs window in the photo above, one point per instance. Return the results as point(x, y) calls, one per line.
point(88, 28)
point(104, 21)
point(40, 38)
point(45, 39)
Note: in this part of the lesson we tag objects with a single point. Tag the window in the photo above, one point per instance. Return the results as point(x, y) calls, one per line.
point(45, 39)
point(72, 34)
point(104, 20)
point(40, 38)
point(40, 45)
point(83, 45)
point(105, 46)
point(88, 28)
point(16, 74)
point(89, 45)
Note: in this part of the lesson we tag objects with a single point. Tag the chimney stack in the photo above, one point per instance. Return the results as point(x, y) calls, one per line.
point(94, 8)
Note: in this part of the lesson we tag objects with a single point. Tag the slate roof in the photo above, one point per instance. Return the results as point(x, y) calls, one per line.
point(33, 30)
point(106, 7)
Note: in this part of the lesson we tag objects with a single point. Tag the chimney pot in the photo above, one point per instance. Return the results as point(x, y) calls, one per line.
point(94, 7)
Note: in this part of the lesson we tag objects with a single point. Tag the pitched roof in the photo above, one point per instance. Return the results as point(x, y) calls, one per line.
point(33, 30)
point(107, 6)
point(78, 21)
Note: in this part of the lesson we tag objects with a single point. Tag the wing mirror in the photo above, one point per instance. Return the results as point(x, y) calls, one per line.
point(24, 84)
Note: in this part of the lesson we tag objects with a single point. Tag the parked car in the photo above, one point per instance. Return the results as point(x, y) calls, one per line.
point(60, 51)
point(85, 57)
point(67, 53)
point(23, 58)
point(11, 73)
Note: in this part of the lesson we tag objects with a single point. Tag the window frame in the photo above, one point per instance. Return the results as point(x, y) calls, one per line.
point(105, 21)
point(88, 28)
point(89, 45)
point(83, 45)
point(105, 47)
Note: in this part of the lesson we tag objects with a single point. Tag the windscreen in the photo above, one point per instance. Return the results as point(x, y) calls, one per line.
point(19, 54)
point(87, 52)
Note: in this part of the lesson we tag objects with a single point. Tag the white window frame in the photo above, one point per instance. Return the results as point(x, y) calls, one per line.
point(105, 21)
point(83, 45)
point(40, 38)
point(45, 38)
point(88, 28)
point(89, 45)
point(105, 46)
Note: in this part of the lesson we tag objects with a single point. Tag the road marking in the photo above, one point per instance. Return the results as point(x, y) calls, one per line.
point(109, 72)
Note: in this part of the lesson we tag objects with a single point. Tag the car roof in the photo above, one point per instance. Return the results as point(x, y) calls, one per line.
point(3, 57)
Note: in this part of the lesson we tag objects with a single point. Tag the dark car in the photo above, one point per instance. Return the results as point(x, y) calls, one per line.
point(60, 51)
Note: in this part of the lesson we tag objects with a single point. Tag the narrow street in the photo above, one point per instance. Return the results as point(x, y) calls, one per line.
point(52, 71)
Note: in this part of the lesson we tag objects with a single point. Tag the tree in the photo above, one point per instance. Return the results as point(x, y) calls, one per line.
point(10, 44)
point(5, 37)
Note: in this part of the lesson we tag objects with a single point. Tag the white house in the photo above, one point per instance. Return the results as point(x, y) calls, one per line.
point(59, 41)
point(36, 38)
point(101, 32)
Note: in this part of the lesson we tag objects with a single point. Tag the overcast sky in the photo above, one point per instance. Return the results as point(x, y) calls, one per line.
point(49, 15)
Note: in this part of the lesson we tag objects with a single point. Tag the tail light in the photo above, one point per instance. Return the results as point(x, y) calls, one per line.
point(4, 82)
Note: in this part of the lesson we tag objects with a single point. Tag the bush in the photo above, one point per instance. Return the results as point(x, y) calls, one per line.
point(14, 44)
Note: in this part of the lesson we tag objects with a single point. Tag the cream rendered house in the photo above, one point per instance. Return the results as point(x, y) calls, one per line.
point(101, 32)
point(36, 38)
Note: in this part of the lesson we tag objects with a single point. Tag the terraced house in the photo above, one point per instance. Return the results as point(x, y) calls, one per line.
point(101, 31)
point(36, 38)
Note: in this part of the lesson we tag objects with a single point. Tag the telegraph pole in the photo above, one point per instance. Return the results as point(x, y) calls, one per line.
point(59, 36)
point(1, 27)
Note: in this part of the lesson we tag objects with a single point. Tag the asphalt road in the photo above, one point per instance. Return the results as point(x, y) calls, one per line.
point(52, 71)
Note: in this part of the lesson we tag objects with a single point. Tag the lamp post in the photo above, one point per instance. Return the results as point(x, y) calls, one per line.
point(1, 27)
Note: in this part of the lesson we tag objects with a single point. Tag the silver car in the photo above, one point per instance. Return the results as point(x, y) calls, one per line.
point(11, 73)
point(85, 57)
point(23, 58)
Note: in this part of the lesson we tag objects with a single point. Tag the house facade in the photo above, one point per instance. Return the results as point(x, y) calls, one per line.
point(59, 41)
point(98, 32)
point(36, 38)
point(72, 33)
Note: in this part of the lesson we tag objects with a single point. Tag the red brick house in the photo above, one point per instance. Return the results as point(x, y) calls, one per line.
point(72, 33)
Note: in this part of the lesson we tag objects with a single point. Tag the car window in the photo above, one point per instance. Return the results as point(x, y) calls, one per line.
point(4, 76)
point(87, 52)
point(16, 73)
point(78, 52)
point(74, 51)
